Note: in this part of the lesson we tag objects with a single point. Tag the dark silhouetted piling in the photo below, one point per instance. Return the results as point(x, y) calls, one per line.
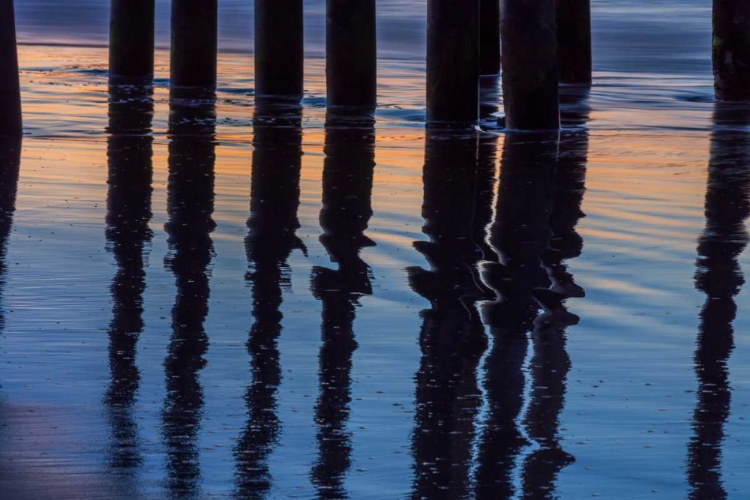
point(452, 61)
point(131, 40)
point(731, 50)
point(279, 48)
point(10, 89)
point(574, 40)
point(489, 36)
point(351, 53)
point(530, 67)
point(194, 48)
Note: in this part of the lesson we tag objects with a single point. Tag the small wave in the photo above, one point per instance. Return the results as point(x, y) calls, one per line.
point(86, 71)
point(695, 97)
point(243, 91)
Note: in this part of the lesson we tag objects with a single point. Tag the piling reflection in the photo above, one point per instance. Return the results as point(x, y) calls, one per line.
point(452, 339)
point(570, 186)
point(190, 205)
point(550, 364)
point(489, 100)
point(519, 235)
point(275, 198)
point(10, 164)
point(487, 167)
point(347, 207)
point(719, 276)
point(129, 153)
point(533, 233)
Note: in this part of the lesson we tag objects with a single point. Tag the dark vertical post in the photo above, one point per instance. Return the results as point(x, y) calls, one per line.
point(351, 53)
point(530, 69)
point(574, 40)
point(279, 48)
point(489, 36)
point(194, 48)
point(731, 50)
point(452, 61)
point(10, 88)
point(131, 40)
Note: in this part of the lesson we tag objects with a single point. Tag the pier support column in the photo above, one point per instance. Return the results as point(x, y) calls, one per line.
point(574, 40)
point(452, 61)
point(530, 67)
point(351, 53)
point(489, 35)
point(131, 41)
point(10, 89)
point(731, 49)
point(194, 48)
point(279, 48)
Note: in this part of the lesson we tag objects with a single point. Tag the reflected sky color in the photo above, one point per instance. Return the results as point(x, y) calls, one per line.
point(239, 301)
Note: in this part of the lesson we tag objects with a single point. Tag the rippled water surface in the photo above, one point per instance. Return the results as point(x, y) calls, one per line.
point(245, 302)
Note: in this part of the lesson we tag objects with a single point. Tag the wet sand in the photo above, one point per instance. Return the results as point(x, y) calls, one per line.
point(236, 302)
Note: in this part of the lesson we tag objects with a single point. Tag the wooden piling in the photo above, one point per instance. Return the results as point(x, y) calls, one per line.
point(10, 89)
point(351, 53)
point(194, 48)
point(131, 41)
point(530, 67)
point(574, 40)
point(452, 61)
point(489, 36)
point(731, 49)
point(279, 48)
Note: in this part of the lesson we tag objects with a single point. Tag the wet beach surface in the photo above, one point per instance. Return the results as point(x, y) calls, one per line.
point(224, 300)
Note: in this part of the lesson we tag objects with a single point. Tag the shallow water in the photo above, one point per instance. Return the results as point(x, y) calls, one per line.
point(243, 302)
